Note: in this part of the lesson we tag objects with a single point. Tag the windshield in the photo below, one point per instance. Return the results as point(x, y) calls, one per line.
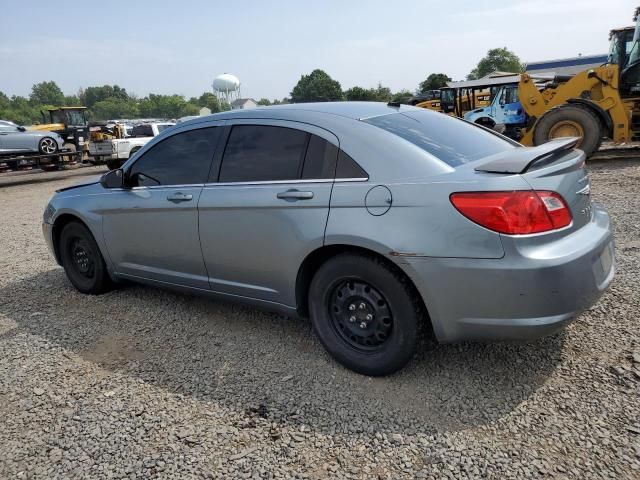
point(68, 117)
point(451, 140)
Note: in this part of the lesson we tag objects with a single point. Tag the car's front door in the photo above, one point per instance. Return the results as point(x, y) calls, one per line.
point(14, 140)
point(268, 209)
point(151, 227)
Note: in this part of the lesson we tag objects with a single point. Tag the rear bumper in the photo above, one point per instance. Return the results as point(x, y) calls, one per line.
point(531, 292)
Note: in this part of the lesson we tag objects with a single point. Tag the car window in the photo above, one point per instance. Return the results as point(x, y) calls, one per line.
point(181, 159)
point(8, 128)
point(348, 168)
point(142, 131)
point(263, 153)
point(451, 140)
point(320, 160)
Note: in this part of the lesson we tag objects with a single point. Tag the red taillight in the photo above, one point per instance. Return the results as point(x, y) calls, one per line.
point(515, 213)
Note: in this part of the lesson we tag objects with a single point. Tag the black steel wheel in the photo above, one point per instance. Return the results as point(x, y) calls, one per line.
point(365, 313)
point(360, 314)
point(82, 260)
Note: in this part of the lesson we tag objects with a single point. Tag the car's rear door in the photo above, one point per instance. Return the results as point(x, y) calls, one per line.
point(267, 208)
point(151, 228)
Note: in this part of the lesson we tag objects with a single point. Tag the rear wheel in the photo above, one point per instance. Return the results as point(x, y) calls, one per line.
point(570, 121)
point(364, 313)
point(82, 260)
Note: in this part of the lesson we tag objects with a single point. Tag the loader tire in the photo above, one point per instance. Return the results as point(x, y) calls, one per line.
point(570, 121)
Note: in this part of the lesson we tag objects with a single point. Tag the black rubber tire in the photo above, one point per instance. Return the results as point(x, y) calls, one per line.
point(49, 141)
point(588, 120)
point(134, 150)
point(401, 344)
point(95, 281)
point(113, 164)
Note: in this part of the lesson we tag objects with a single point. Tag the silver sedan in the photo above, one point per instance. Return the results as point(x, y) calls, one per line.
point(16, 139)
point(375, 220)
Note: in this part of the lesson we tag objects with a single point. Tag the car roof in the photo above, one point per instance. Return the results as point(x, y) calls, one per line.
point(352, 110)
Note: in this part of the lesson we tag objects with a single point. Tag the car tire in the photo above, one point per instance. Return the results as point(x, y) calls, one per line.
point(82, 261)
point(364, 313)
point(113, 164)
point(570, 120)
point(133, 151)
point(47, 146)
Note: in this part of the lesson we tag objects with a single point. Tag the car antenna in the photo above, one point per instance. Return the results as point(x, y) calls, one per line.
point(394, 104)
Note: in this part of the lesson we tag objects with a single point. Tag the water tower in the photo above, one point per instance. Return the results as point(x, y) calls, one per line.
point(226, 87)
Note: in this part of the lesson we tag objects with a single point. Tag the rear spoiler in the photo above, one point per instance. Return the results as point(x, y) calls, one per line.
point(519, 160)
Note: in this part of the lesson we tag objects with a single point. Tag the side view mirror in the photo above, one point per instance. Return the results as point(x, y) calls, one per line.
point(113, 179)
point(22, 129)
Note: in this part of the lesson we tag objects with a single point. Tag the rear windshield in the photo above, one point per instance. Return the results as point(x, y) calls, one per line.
point(449, 139)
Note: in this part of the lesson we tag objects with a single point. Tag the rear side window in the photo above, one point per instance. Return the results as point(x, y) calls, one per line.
point(320, 161)
point(263, 153)
point(451, 140)
point(181, 159)
point(348, 168)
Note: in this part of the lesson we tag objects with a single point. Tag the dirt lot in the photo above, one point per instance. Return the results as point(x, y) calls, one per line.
point(145, 383)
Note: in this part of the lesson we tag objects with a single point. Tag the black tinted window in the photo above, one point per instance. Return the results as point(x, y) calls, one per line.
point(181, 159)
point(320, 161)
point(451, 140)
point(348, 168)
point(142, 131)
point(263, 153)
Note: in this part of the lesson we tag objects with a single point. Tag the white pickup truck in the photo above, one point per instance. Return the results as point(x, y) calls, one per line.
point(116, 151)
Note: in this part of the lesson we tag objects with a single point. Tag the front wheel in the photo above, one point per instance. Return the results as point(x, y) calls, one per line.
point(364, 313)
point(47, 146)
point(82, 260)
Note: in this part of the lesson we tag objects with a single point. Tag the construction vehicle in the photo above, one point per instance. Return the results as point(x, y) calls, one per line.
point(70, 123)
point(597, 103)
point(459, 101)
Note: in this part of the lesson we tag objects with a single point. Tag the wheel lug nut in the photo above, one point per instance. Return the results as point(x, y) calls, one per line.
point(369, 316)
point(362, 306)
point(352, 318)
point(363, 325)
point(352, 306)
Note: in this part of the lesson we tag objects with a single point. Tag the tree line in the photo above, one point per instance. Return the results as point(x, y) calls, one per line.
point(113, 102)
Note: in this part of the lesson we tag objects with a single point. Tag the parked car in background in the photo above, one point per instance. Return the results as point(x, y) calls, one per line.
point(116, 151)
point(375, 220)
point(15, 139)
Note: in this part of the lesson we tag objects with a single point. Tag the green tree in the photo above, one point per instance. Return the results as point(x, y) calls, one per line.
point(378, 94)
point(402, 96)
point(359, 94)
point(501, 59)
point(93, 95)
point(265, 102)
point(434, 81)
point(209, 100)
point(113, 108)
point(316, 87)
point(46, 93)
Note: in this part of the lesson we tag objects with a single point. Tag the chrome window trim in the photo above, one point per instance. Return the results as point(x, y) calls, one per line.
point(230, 184)
point(279, 182)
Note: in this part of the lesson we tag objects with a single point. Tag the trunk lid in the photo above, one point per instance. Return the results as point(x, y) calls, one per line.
point(565, 174)
point(555, 166)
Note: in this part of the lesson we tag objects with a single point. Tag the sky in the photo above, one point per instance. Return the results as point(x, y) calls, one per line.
point(174, 46)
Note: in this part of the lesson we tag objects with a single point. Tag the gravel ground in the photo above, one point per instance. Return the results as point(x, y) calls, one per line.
point(143, 383)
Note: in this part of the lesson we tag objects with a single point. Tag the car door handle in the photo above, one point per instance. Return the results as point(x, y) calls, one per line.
point(179, 197)
point(295, 195)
